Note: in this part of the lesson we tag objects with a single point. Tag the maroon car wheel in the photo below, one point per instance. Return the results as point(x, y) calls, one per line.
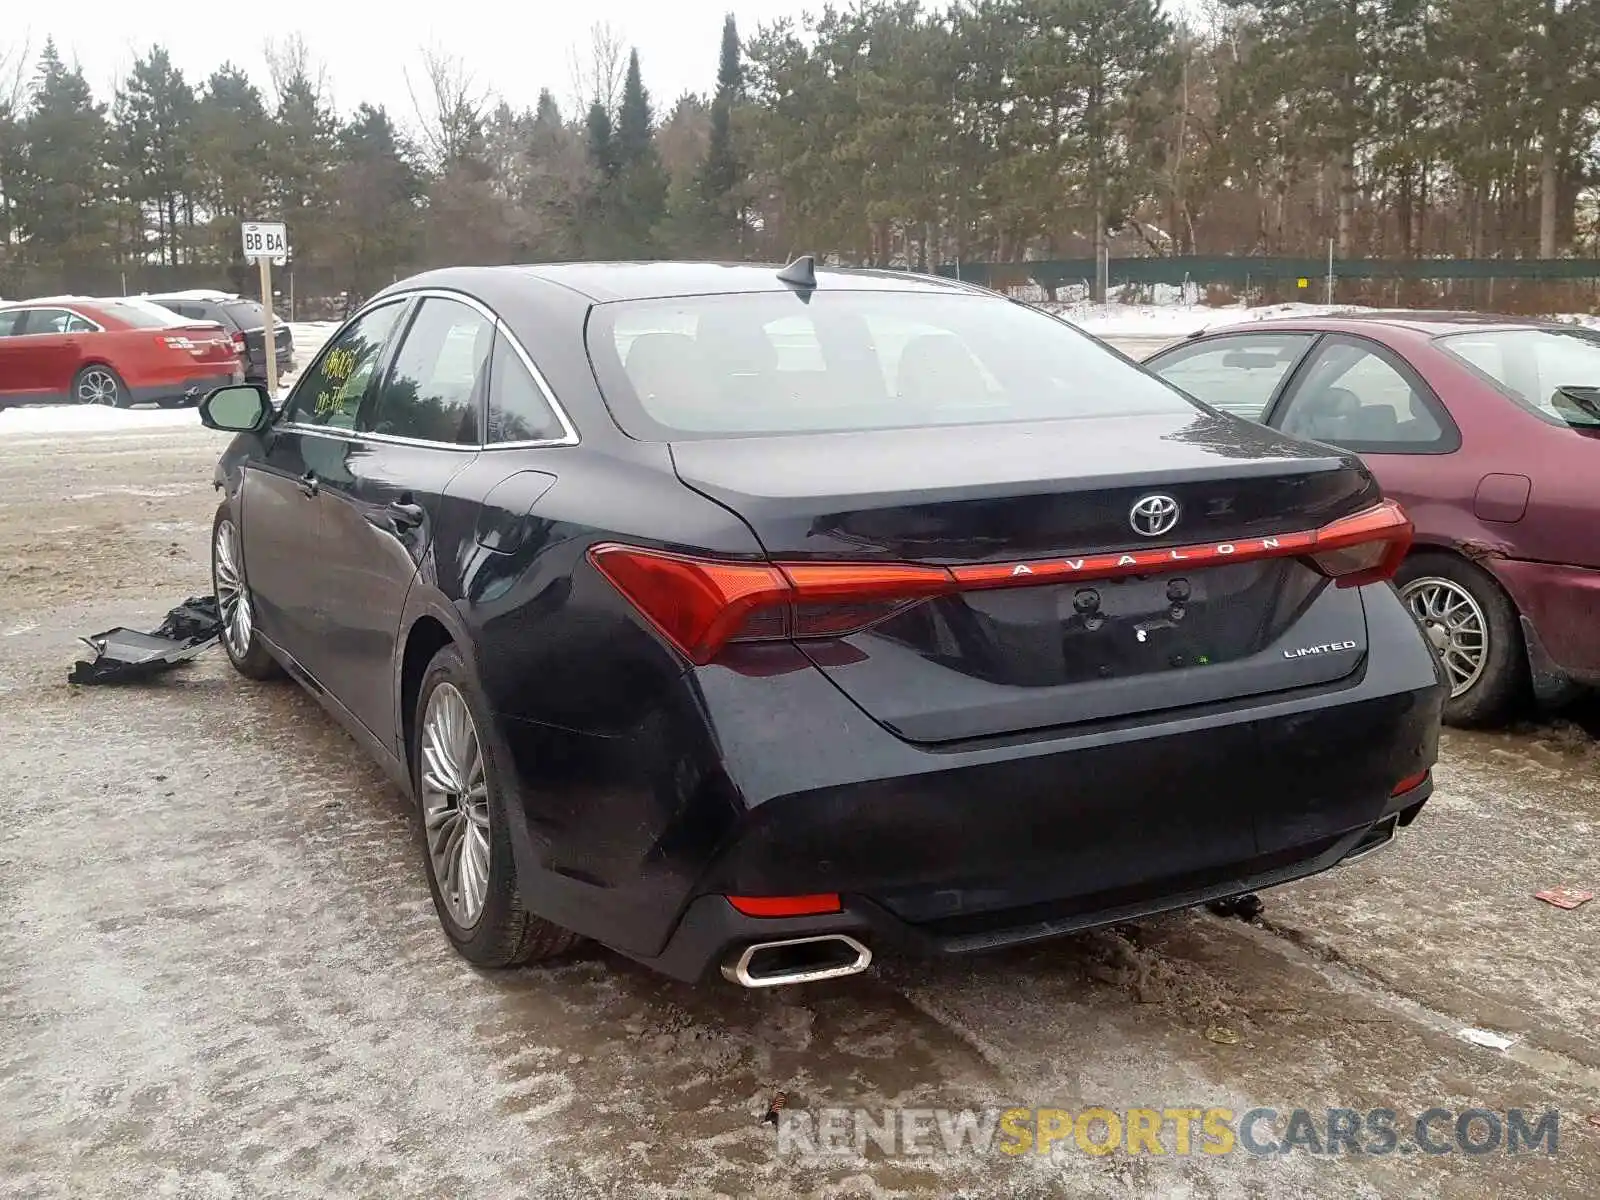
point(1472, 626)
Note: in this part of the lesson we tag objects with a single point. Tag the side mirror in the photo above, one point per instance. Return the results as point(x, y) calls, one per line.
point(237, 408)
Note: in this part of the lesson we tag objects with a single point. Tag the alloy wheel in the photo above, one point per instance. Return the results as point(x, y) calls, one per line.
point(1455, 626)
point(233, 597)
point(455, 804)
point(97, 386)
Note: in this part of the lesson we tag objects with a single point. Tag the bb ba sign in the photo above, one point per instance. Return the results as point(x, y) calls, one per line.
point(265, 239)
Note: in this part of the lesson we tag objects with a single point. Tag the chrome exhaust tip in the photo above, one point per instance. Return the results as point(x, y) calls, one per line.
point(1377, 838)
point(797, 960)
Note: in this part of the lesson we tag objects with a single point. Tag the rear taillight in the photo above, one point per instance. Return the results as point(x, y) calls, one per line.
point(701, 605)
point(238, 342)
point(1365, 547)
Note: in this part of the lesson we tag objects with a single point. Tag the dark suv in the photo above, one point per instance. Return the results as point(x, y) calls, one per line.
point(244, 319)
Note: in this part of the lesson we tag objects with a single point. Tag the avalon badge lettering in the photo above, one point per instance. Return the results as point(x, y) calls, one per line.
point(1325, 648)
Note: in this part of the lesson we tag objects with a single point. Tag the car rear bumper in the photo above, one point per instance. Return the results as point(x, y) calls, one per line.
point(191, 390)
point(256, 369)
point(1560, 607)
point(773, 783)
point(712, 932)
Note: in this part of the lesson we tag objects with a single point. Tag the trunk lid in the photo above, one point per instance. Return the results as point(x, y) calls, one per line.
point(207, 341)
point(990, 661)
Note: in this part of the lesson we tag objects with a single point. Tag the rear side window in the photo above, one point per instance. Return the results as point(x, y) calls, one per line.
point(1237, 373)
point(518, 409)
point(435, 389)
point(778, 362)
point(11, 321)
point(1531, 365)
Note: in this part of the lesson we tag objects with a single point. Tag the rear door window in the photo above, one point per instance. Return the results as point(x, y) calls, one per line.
point(1237, 373)
point(435, 390)
point(1356, 396)
point(48, 321)
point(11, 321)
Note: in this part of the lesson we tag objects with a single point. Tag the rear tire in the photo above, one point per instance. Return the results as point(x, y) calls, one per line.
point(1473, 626)
point(99, 384)
point(466, 847)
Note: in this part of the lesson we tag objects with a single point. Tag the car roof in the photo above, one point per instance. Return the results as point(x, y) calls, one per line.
point(194, 295)
point(603, 282)
point(41, 301)
point(1427, 322)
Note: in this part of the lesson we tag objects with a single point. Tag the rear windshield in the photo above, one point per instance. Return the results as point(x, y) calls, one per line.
point(1531, 365)
point(139, 314)
point(246, 313)
point(782, 362)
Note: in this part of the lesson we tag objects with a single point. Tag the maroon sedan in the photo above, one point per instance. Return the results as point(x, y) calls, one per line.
point(1487, 430)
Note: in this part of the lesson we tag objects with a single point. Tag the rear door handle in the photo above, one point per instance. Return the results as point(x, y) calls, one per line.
point(406, 515)
point(308, 483)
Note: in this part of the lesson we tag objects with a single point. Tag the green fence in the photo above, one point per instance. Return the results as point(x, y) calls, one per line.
point(1247, 272)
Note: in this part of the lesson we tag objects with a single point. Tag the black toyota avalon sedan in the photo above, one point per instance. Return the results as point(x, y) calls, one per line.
point(765, 619)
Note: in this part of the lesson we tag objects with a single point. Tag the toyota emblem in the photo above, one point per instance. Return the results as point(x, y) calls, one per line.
point(1153, 515)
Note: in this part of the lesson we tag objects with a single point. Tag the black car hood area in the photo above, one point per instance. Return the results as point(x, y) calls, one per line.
point(969, 492)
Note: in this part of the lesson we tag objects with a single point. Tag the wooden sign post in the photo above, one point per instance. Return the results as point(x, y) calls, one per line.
point(265, 241)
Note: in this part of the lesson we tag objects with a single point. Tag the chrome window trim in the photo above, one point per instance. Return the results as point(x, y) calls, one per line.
point(569, 432)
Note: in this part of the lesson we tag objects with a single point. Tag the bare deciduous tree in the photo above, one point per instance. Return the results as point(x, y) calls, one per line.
point(599, 76)
point(451, 109)
point(290, 61)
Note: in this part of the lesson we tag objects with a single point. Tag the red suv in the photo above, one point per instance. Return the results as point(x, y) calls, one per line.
point(109, 352)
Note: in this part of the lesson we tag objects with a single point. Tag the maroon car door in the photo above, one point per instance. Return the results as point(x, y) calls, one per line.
point(1362, 397)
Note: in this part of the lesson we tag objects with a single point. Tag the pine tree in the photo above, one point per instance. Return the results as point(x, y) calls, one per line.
point(722, 162)
point(375, 197)
point(602, 148)
point(64, 209)
point(641, 181)
point(155, 117)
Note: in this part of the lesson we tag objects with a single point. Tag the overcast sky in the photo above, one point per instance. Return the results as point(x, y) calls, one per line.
point(366, 47)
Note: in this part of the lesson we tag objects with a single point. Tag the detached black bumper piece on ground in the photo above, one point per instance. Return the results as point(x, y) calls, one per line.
point(123, 655)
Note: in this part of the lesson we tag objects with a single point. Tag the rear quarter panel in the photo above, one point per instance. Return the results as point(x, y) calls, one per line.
point(1439, 491)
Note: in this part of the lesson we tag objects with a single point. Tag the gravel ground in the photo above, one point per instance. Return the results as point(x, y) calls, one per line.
point(220, 974)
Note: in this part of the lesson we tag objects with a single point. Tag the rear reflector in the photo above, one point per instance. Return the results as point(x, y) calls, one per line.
point(787, 906)
point(1409, 782)
point(701, 605)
